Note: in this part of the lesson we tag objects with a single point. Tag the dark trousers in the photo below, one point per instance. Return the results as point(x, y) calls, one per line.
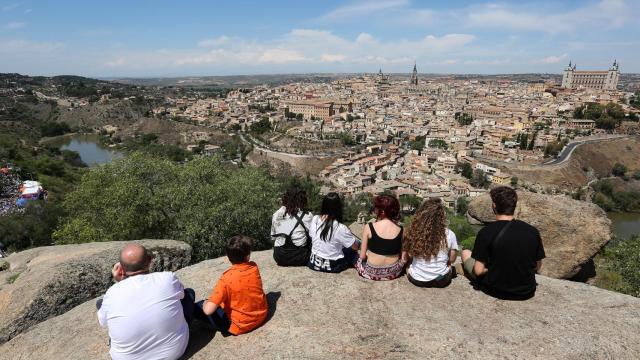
point(334, 266)
point(218, 320)
point(188, 304)
point(439, 282)
point(291, 255)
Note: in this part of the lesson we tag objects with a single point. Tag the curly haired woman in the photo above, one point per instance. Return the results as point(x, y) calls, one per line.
point(432, 246)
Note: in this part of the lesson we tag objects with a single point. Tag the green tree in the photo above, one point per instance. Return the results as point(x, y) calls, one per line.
point(621, 258)
point(202, 202)
point(619, 170)
point(347, 139)
point(361, 203)
point(462, 205)
point(480, 179)
point(634, 101)
point(417, 144)
point(464, 169)
point(514, 181)
point(438, 143)
point(50, 128)
point(464, 119)
point(410, 202)
point(465, 232)
point(261, 126)
point(603, 201)
point(533, 140)
point(523, 141)
point(33, 227)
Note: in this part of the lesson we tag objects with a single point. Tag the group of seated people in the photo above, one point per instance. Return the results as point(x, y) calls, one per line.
point(426, 251)
point(147, 314)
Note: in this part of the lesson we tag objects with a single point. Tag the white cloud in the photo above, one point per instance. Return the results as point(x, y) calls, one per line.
point(361, 9)
point(606, 13)
point(119, 62)
point(364, 38)
point(10, 7)
point(14, 25)
point(281, 56)
point(220, 40)
point(22, 46)
point(488, 62)
point(553, 59)
point(321, 46)
point(332, 58)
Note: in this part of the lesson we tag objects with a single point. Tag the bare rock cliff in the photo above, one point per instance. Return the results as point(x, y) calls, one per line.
point(48, 281)
point(572, 231)
point(342, 316)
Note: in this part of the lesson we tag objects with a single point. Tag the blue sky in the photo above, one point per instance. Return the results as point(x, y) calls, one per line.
point(179, 38)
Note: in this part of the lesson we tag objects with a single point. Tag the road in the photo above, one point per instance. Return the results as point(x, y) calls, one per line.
point(566, 152)
point(256, 144)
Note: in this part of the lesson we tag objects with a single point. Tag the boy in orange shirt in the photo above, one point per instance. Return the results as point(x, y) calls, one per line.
point(238, 293)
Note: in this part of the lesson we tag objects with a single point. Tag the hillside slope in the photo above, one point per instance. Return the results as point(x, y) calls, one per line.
point(587, 162)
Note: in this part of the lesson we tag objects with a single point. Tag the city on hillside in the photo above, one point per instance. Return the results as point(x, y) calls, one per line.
point(337, 179)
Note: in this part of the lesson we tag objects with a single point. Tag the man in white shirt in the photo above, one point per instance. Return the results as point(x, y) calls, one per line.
point(146, 313)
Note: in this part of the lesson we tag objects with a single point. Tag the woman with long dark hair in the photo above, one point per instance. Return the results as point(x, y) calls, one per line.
point(431, 245)
point(290, 229)
point(333, 247)
point(381, 256)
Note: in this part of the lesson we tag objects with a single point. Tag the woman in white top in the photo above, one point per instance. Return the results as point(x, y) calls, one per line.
point(290, 229)
point(333, 245)
point(432, 246)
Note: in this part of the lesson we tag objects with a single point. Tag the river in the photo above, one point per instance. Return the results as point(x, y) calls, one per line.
point(624, 224)
point(91, 151)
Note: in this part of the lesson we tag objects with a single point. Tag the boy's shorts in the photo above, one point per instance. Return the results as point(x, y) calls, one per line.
point(468, 268)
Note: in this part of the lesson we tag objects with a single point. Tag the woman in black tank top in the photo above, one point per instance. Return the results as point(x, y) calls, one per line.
point(381, 249)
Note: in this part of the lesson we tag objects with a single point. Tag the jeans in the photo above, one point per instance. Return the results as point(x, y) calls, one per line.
point(218, 320)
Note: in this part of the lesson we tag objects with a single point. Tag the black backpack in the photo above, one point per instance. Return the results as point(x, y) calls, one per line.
point(288, 241)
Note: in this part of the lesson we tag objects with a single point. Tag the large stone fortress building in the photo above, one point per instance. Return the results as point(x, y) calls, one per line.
point(602, 80)
point(319, 108)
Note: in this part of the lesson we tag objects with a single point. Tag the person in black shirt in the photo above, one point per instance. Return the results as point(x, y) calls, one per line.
point(507, 253)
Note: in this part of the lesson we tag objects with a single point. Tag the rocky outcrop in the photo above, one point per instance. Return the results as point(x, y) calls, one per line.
point(572, 231)
point(49, 281)
point(342, 316)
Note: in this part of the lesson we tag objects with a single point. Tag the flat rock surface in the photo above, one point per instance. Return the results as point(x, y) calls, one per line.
point(48, 281)
point(342, 316)
point(572, 231)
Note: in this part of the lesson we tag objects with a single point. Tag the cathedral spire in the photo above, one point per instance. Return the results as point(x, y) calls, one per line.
point(414, 75)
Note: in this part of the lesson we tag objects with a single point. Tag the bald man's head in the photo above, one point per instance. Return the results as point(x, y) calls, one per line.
point(134, 257)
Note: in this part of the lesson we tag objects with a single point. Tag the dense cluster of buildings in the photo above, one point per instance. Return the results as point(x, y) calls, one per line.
point(413, 134)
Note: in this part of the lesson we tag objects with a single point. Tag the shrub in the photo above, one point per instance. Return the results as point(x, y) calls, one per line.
point(621, 263)
point(141, 196)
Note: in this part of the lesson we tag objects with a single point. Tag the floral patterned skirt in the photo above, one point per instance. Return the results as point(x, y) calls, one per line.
point(379, 273)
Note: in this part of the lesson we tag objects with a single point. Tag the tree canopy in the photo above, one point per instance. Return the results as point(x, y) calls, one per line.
point(202, 203)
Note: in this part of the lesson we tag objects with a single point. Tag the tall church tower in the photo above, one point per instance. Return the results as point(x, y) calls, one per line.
point(611, 82)
point(567, 76)
point(414, 76)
